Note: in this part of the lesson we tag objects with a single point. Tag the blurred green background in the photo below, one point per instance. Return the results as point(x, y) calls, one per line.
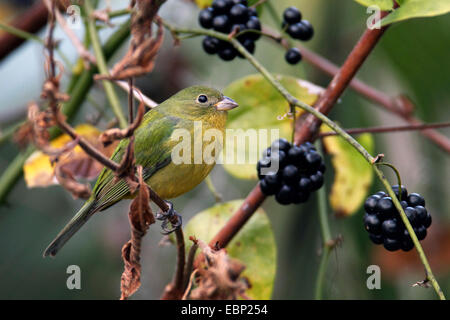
point(411, 58)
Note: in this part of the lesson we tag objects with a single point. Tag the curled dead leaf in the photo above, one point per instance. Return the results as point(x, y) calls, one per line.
point(144, 47)
point(220, 277)
point(141, 217)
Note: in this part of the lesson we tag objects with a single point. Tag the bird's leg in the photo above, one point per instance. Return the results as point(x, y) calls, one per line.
point(169, 216)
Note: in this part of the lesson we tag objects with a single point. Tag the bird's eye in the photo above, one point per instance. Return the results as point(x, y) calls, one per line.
point(202, 98)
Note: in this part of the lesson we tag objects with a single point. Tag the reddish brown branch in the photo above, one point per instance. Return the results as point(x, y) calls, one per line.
point(31, 21)
point(176, 289)
point(239, 218)
point(400, 106)
point(308, 126)
point(389, 129)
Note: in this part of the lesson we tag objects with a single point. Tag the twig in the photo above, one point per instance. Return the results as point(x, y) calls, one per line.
point(389, 129)
point(189, 264)
point(82, 51)
point(101, 63)
point(137, 93)
point(31, 21)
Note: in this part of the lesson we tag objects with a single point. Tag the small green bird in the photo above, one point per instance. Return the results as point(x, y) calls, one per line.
point(154, 143)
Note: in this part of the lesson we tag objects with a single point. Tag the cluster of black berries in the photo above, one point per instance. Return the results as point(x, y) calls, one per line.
point(290, 172)
point(226, 16)
point(298, 29)
point(384, 224)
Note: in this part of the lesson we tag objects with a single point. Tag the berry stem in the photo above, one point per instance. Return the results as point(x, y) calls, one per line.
point(327, 241)
point(412, 127)
point(423, 258)
point(397, 173)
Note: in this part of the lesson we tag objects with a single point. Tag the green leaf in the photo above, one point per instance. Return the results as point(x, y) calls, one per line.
point(353, 175)
point(383, 4)
point(260, 107)
point(417, 8)
point(254, 245)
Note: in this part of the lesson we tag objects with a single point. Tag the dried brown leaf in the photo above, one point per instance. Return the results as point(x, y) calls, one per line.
point(220, 278)
point(141, 217)
point(110, 135)
point(143, 49)
point(68, 182)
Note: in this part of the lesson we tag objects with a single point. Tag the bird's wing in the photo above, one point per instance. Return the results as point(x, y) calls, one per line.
point(152, 150)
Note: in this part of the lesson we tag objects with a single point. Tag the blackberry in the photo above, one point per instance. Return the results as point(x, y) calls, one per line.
point(298, 29)
point(306, 31)
point(222, 6)
point(299, 171)
point(211, 45)
point(292, 15)
point(226, 16)
point(293, 56)
point(205, 18)
point(384, 224)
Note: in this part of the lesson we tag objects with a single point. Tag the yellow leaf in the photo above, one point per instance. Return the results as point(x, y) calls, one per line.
point(261, 107)
point(353, 175)
point(39, 171)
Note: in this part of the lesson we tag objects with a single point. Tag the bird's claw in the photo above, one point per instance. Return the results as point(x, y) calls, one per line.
point(169, 216)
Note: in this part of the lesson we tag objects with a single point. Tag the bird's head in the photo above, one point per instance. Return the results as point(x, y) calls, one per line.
point(199, 103)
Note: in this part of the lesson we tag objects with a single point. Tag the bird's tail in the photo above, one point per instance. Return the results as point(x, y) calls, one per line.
point(83, 215)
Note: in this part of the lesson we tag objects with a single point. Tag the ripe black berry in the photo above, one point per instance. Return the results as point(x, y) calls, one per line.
point(222, 6)
point(252, 12)
point(205, 18)
point(385, 207)
point(281, 144)
point(385, 225)
point(292, 15)
point(306, 31)
point(221, 23)
point(316, 180)
point(300, 171)
point(404, 192)
point(371, 203)
point(226, 16)
point(297, 156)
point(372, 224)
point(239, 13)
point(244, 2)
point(390, 227)
point(411, 213)
point(291, 174)
point(228, 53)
point(305, 184)
point(421, 232)
point(285, 195)
point(210, 45)
point(376, 238)
point(391, 244)
point(253, 23)
point(249, 45)
point(293, 56)
point(415, 199)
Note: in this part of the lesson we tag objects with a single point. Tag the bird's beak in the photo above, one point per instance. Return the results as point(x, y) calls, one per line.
point(225, 104)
